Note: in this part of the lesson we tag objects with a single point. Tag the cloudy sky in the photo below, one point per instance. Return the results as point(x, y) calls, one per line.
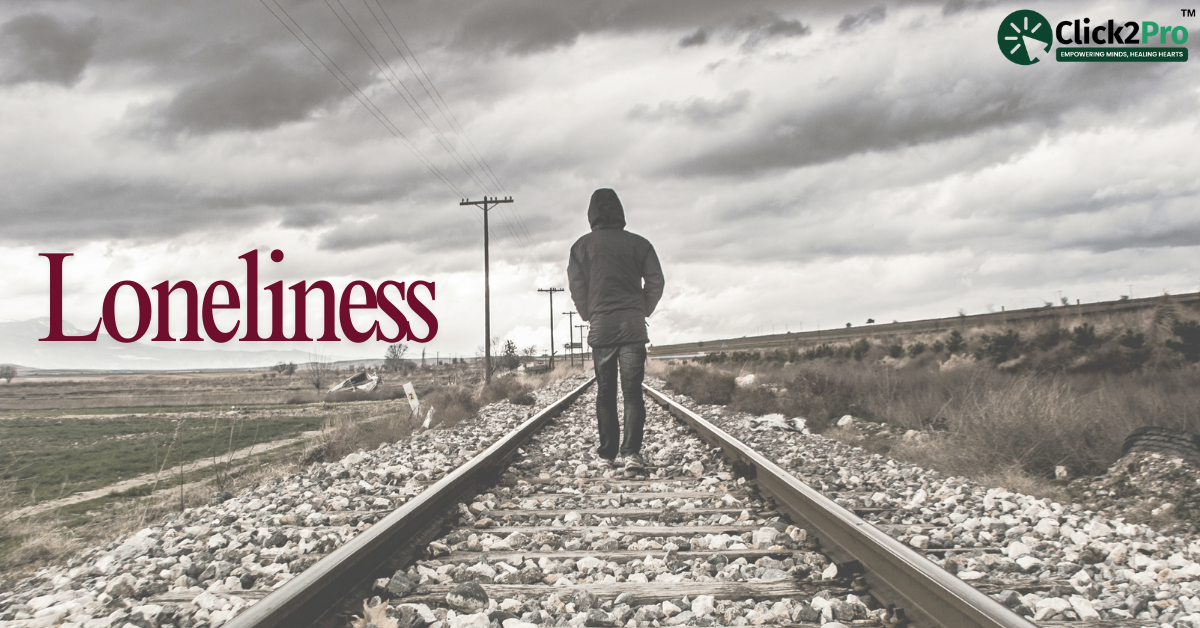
point(795, 164)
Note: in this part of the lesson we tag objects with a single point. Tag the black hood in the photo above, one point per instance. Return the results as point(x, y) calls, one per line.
point(605, 211)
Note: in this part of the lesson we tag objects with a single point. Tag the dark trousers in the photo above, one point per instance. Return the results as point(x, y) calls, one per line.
point(630, 361)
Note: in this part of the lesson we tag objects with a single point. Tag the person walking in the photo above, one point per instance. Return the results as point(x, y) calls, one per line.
point(616, 282)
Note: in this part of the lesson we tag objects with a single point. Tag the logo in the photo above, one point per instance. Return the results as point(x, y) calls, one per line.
point(1024, 36)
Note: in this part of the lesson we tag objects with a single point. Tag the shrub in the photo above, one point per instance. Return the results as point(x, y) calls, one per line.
point(756, 400)
point(703, 385)
point(1048, 338)
point(860, 348)
point(1131, 340)
point(509, 388)
point(1110, 359)
point(916, 349)
point(955, 342)
point(452, 404)
point(1084, 336)
point(819, 351)
point(895, 351)
point(999, 347)
point(1189, 340)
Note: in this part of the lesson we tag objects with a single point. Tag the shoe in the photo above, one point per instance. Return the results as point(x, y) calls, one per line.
point(604, 464)
point(634, 464)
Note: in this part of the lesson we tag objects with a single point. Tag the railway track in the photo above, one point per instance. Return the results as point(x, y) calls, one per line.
point(530, 532)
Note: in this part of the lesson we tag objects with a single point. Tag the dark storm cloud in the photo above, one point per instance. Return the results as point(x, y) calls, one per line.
point(958, 6)
point(154, 208)
point(865, 119)
point(697, 111)
point(855, 21)
point(529, 26)
point(698, 38)
point(36, 47)
point(767, 26)
point(262, 95)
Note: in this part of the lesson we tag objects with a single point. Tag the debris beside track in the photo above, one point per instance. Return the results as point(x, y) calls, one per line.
point(1149, 485)
point(1048, 561)
point(199, 568)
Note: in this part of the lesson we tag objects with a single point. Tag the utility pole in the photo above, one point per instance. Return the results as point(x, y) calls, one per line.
point(582, 329)
point(571, 331)
point(487, 204)
point(551, 291)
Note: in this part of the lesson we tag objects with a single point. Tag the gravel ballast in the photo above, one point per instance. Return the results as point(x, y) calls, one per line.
point(1046, 560)
point(202, 566)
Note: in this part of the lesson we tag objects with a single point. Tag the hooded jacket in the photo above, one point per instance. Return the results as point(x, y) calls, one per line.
point(614, 275)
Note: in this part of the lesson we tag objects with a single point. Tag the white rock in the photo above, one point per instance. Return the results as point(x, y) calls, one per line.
point(588, 564)
point(1017, 549)
point(1084, 608)
point(39, 603)
point(765, 537)
point(1028, 563)
point(1050, 606)
point(844, 421)
point(474, 620)
point(703, 605)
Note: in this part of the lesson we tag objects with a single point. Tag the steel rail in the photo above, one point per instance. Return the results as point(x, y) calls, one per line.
point(929, 595)
point(305, 598)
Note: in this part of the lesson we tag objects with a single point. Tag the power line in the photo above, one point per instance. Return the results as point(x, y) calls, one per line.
point(443, 108)
point(414, 105)
point(521, 232)
point(355, 91)
point(359, 94)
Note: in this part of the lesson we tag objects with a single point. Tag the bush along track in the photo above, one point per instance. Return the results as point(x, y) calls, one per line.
point(1048, 561)
point(200, 567)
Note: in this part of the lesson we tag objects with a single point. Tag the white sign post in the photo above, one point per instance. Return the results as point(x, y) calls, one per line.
point(411, 393)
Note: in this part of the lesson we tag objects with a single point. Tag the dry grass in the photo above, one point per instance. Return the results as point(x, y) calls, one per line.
point(996, 427)
point(29, 544)
point(450, 405)
point(33, 543)
point(343, 435)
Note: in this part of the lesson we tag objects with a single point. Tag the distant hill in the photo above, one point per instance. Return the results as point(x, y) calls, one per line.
point(1077, 312)
point(19, 346)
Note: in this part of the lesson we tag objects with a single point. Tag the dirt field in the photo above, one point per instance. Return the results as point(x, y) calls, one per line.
point(100, 436)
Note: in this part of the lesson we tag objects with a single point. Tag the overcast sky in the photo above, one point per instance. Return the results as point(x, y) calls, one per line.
point(794, 164)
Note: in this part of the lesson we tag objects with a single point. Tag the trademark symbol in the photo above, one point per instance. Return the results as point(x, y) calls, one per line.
point(1188, 12)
